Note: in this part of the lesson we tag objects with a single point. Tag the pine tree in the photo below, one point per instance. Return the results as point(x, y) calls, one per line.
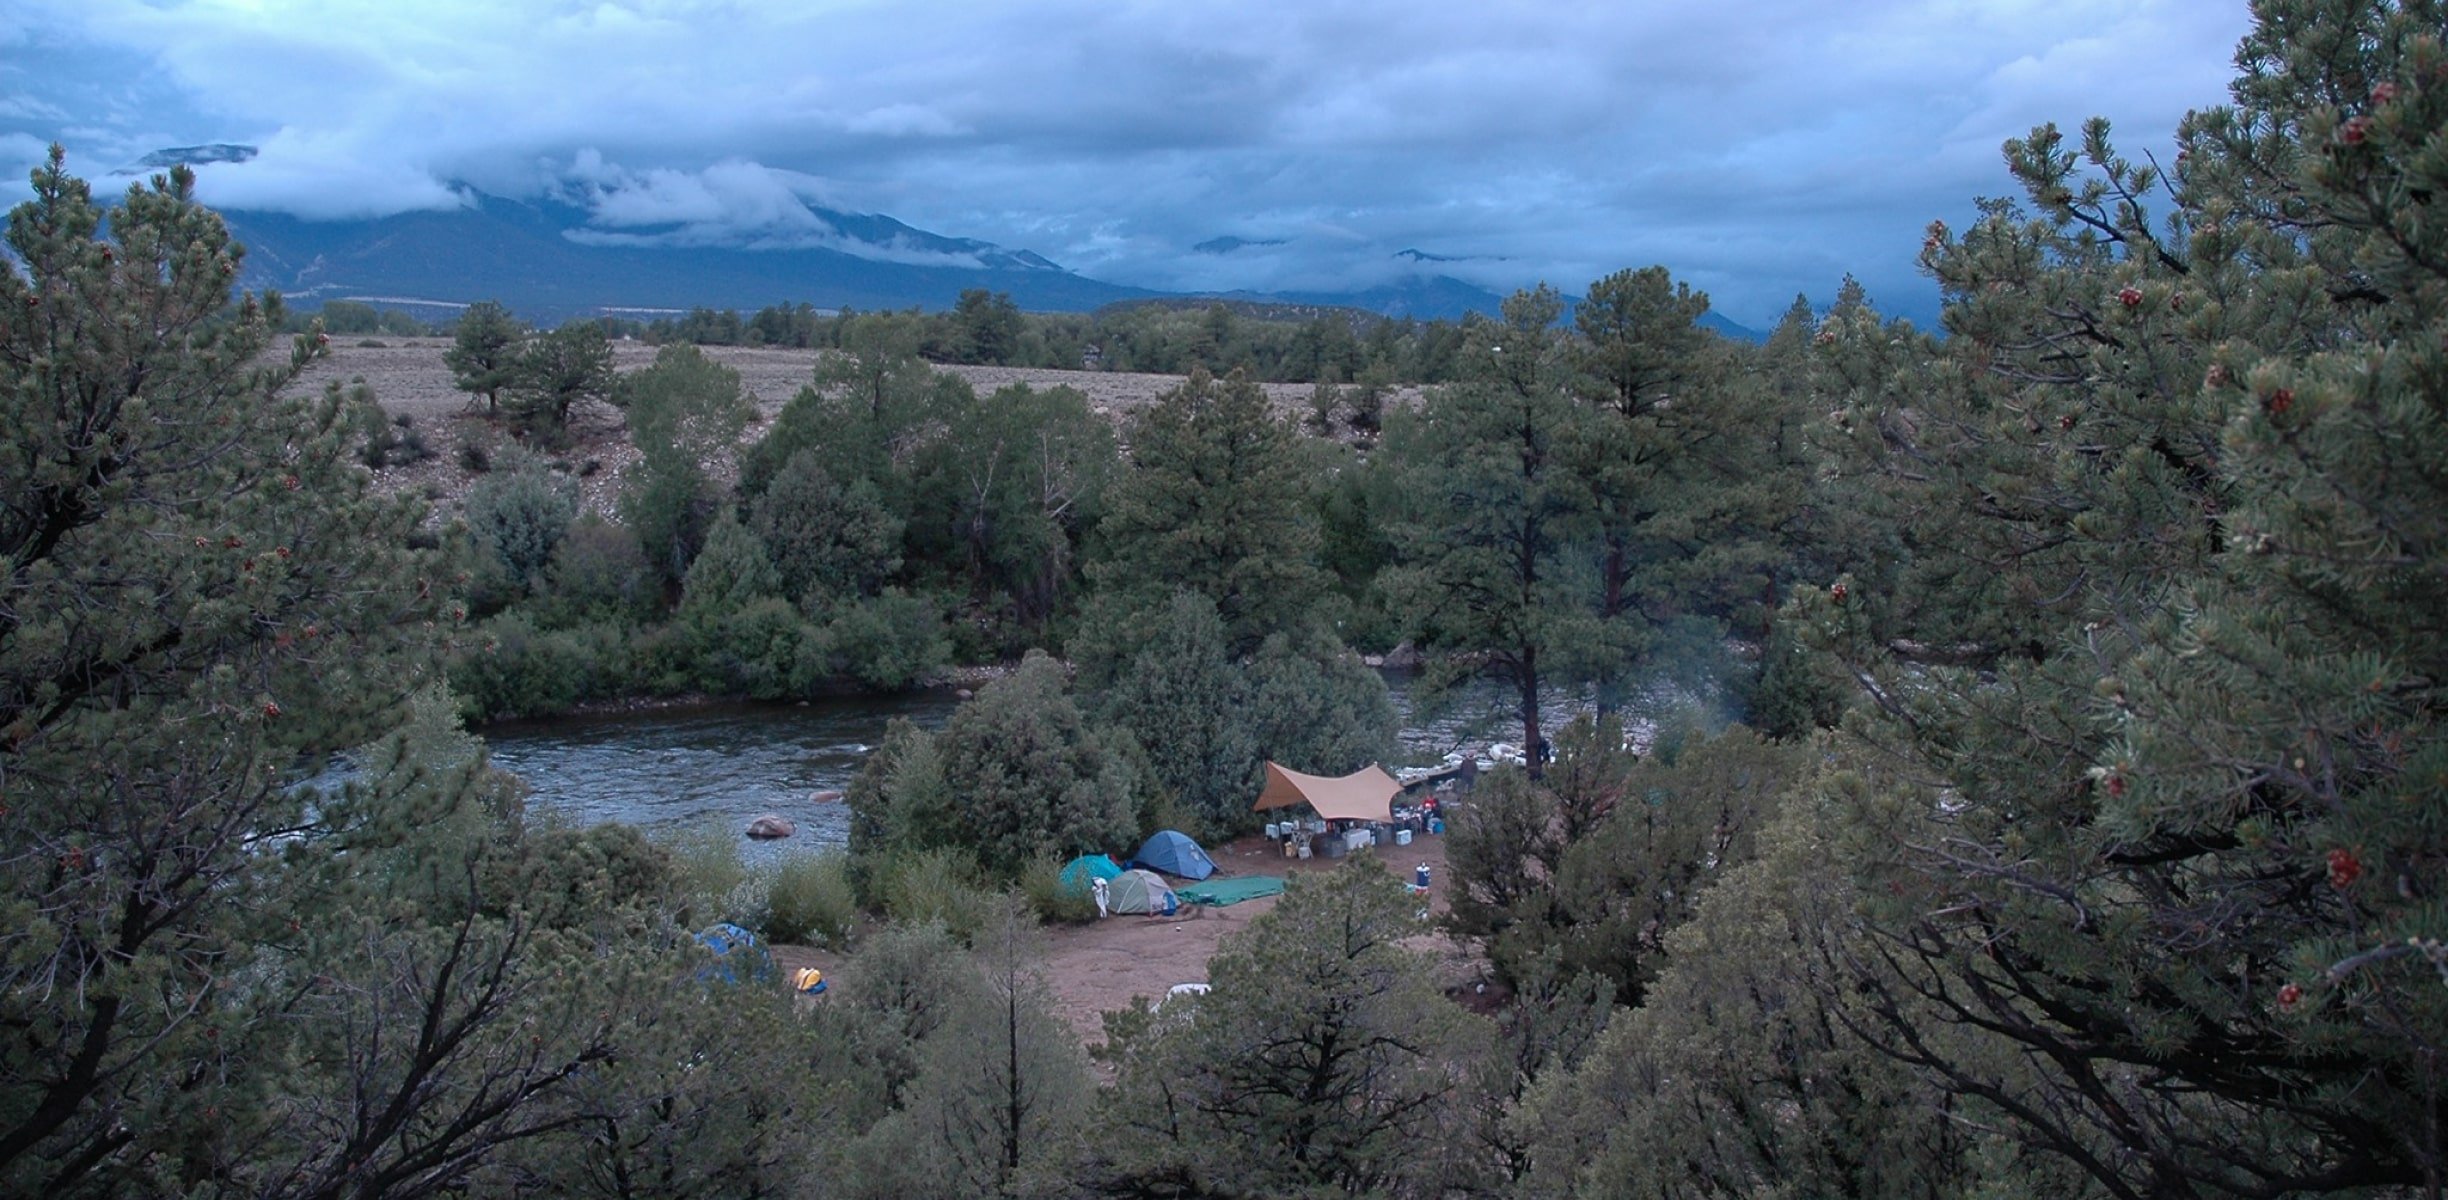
point(484, 351)
point(1676, 451)
point(1319, 1062)
point(201, 592)
point(1188, 704)
point(1215, 499)
point(1001, 1086)
point(1496, 520)
point(555, 373)
point(2164, 660)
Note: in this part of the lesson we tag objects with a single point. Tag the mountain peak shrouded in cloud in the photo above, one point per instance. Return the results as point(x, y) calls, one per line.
point(741, 205)
point(1229, 244)
point(174, 156)
point(1755, 150)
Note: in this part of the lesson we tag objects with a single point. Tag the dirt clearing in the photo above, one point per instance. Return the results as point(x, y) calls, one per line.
point(1096, 968)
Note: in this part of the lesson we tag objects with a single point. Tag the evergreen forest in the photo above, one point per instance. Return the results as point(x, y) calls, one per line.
point(2074, 822)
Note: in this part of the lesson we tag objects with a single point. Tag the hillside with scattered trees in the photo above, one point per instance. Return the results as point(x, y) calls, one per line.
point(2081, 834)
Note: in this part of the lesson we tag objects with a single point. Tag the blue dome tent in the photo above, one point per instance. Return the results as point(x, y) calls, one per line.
point(1173, 853)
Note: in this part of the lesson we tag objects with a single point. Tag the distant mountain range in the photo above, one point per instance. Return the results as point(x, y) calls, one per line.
point(549, 261)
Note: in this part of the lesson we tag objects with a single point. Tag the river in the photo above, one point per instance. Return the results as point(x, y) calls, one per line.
point(722, 765)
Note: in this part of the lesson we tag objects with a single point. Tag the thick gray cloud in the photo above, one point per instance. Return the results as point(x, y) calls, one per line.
point(1758, 149)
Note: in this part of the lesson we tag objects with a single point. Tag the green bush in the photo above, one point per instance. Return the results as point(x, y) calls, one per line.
point(1041, 884)
point(389, 442)
point(598, 573)
point(565, 877)
point(518, 515)
point(888, 642)
point(936, 886)
point(509, 668)
point(808, 899)
point(752, 651)
point(709, 882)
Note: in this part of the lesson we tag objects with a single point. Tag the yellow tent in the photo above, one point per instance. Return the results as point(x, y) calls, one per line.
point(1364, 795)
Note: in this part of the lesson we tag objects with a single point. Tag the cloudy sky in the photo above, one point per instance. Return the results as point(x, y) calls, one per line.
point(1758, 148)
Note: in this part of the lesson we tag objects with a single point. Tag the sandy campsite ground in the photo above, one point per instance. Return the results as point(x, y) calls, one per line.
point(1099, 967)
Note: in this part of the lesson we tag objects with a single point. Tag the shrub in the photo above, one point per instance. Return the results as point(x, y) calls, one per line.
point(709, 882)
point(598, 573)
point(519, 515)
point(752, 652)
point(512, 669)
point(937, 886)
point(808, 899)
point(888, 642)
point(1041, 885)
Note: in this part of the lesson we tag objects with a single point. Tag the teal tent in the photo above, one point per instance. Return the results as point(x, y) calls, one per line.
point(1079, 874)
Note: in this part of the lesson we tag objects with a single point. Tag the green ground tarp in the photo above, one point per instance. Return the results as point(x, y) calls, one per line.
point(1216, 893)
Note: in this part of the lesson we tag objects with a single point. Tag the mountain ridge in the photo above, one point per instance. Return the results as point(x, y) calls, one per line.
point(553, 259)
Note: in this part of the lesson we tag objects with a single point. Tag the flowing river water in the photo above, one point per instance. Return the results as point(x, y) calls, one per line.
point(721, 766)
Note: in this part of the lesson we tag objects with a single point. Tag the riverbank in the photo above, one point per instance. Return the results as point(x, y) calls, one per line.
point(957, 681)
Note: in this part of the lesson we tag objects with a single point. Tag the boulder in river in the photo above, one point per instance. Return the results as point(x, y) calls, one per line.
point(771, 825)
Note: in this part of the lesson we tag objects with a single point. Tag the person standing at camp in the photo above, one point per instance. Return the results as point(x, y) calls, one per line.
point(1100, 889)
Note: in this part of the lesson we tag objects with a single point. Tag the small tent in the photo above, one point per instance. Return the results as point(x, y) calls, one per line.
point(1364, 795)
point(1142, 892)
point(1172, 852)
point(738, 957)
point(1079, 876)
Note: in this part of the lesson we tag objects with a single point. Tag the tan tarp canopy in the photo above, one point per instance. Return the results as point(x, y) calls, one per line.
point(1364, 795)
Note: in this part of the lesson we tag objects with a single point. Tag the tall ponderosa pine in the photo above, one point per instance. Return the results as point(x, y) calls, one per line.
point(1677, 451)
point(1496, 518)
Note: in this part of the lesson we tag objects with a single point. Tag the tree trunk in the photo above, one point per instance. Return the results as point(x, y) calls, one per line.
point(1533, 746)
